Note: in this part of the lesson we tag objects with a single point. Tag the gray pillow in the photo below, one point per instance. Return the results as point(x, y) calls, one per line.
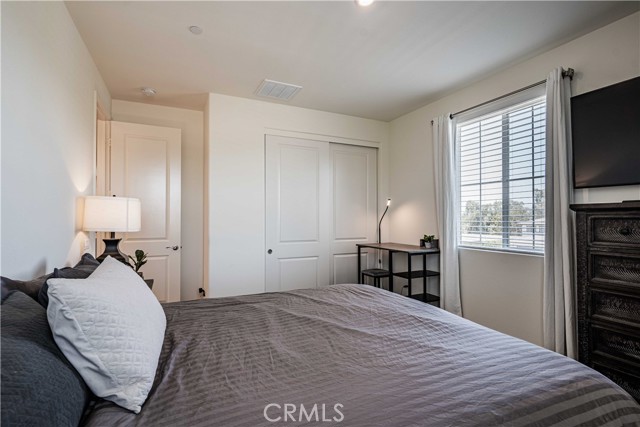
point(81, 270)
point(39, 385)
point(30, 287)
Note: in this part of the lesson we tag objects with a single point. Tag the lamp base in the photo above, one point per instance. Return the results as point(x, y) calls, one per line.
point(111, 249)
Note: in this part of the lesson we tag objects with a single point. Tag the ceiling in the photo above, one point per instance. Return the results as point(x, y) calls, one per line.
point(378, 62)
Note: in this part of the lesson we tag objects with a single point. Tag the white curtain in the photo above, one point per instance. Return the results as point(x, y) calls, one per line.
point(558, 294)
point(444, 162)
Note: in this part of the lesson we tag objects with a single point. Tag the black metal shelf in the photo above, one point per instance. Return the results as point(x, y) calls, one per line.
point(426, 297)
point(417, 274)
point(410, 251)
point(376, 272)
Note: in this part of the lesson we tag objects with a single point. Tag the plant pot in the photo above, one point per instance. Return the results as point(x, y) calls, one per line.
point(141, 274)
point(427, 245)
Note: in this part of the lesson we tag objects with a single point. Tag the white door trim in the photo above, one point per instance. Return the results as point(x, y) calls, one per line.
point(102, 168)
point(320, 137)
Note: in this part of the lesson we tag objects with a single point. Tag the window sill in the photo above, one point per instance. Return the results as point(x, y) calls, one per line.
point(503, 251)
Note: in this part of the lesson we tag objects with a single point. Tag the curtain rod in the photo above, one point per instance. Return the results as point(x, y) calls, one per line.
point(569, 72)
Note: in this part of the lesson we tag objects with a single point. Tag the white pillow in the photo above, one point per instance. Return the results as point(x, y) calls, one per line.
point(111, 327)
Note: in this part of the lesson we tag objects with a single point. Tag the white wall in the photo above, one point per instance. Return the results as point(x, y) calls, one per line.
point(237, 180)
point(500, 290)
point(192, 126)
point(49, 82)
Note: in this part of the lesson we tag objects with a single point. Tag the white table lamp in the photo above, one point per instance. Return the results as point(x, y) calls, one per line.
point(111, 215)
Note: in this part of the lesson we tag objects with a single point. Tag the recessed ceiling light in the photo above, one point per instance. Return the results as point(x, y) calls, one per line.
point(364, 2)
point(148, 91)
point(195, 30)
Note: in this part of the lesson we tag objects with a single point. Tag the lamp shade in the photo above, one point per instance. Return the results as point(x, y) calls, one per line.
point(111, 214)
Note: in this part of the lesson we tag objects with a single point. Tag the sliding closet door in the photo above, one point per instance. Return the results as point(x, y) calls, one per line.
point(354, 173)
point(298, 213)
point(320, 202)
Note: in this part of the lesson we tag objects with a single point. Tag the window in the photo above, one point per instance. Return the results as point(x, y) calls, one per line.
point(501, 176)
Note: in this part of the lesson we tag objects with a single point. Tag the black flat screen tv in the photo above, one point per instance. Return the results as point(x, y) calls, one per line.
point(605, 126)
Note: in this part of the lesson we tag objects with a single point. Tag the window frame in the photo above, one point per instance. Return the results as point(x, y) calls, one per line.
point(519, 98)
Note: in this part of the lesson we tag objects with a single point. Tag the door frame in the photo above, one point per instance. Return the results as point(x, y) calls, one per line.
point(102, 161)
point(102, 172)
point(320, 137)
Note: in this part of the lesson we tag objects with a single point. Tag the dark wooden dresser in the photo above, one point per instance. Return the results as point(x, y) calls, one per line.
point(608, 274)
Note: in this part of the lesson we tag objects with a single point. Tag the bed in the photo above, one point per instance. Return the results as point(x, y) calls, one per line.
point(346, 354)
point(384, 359)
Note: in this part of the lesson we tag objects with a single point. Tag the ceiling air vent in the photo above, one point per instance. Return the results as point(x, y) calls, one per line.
point(277, 90)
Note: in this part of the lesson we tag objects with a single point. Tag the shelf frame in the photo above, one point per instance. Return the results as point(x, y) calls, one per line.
point(409, 275)
point(417, 274)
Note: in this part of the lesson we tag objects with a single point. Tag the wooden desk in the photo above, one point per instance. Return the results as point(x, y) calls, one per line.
point(409, 275)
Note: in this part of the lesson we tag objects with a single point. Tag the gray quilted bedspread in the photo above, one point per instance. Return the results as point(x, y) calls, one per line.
point(372, 358)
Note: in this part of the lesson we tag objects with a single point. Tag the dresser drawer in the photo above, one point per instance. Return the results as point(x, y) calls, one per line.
point(608, 290)
point(618, 269)
point(615, 307)
point(624, 378)
point(616, 344)
point(614, 230)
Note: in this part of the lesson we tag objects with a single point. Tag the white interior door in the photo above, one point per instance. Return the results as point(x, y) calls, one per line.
point(320, 202)
point(145, 163)
point(355, 181)
point(298, 186)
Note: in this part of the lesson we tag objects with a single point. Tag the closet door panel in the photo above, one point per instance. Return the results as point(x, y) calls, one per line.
point(298, 206)
point(354, 216)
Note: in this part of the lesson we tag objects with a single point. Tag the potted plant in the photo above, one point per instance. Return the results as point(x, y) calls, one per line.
point(139, 261)
point(429, 241)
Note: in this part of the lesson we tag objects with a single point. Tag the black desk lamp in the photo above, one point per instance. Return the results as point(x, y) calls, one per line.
point(379, 232)
point(380, 223)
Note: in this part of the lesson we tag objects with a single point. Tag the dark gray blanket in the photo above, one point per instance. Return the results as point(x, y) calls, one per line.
point(372, 358)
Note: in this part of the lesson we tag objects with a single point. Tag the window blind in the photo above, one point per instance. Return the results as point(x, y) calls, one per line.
point(501, 168)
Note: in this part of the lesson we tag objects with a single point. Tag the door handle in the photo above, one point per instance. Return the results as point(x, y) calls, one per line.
point(175, 248)
point(270, 251)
